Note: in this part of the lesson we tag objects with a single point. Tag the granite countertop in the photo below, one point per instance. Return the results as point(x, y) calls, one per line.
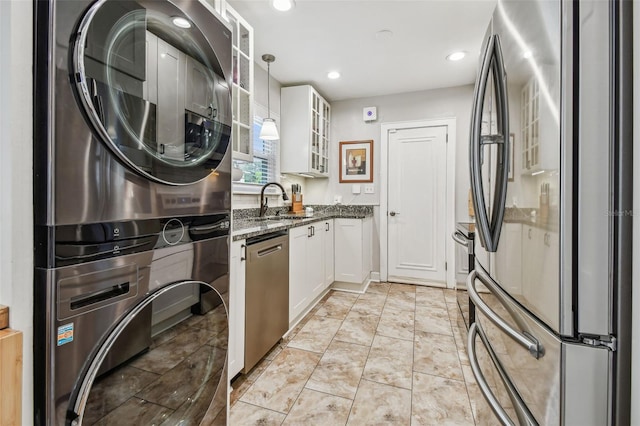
point(246, 227)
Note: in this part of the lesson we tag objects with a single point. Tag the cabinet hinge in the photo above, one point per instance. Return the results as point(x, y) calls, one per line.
point(596, 341)
point(445, 266)
point(447, 138)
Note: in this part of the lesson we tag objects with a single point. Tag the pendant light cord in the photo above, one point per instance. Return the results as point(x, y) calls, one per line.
point(268, 89)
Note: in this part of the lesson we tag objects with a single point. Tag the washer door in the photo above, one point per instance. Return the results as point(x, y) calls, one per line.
point(153, 88)
point(180, 379)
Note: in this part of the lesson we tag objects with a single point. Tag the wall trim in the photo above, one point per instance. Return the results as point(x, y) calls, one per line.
point(450, 123)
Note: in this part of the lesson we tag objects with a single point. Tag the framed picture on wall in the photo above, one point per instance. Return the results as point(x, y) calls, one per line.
point(356, 161)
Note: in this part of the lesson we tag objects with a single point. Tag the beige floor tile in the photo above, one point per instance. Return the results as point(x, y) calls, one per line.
point(316, 335)
point(449, 295)
point(317, 408)
point(436, 354)
point(439, 401)
point(379, 404)
point(370, 303)
point(390, 361)
point(380, 288)
point(430, 296)
point(401, 300)
point(340, 369)
point(247, 415)
point(337, 305)
point(460, 335)
point(281, 383)
point(358, 328)
point(396, 322)
point(433, 320)
point(397, 287)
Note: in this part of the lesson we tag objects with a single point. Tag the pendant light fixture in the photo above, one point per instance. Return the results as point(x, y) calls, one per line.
point(269, 130)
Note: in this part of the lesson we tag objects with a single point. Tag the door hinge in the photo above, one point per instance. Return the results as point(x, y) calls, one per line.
point(447, 138)
point(445, 266)
point(596, 341)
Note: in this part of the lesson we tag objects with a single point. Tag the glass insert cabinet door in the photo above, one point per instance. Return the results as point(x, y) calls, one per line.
point(153, 88)
point(242, 82)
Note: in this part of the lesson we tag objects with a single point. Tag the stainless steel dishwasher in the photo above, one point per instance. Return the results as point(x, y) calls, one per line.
point(266, 295)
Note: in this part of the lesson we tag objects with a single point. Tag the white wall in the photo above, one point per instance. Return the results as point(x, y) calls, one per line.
point(16, 213)
point(347, 125)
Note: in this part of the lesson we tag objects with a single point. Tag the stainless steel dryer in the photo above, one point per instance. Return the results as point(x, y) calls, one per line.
point(132, 203)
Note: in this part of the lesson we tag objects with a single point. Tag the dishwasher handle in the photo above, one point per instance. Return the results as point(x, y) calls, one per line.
point(270, 250)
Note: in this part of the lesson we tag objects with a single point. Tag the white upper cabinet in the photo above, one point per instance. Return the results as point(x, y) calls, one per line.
point(304, 136)
point(199, 89)
point(242, 101)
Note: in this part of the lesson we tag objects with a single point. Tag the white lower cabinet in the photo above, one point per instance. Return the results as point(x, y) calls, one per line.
point(236, 307)
point(306, 268)
point(329, 261)
point(352, 250)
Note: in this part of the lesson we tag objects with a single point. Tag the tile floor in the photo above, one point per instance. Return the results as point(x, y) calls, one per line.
point(393, 355)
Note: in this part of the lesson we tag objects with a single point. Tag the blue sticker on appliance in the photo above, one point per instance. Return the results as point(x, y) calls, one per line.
point(65, 334)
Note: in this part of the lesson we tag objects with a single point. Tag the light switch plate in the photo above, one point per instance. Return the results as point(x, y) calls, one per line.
point(355, 188)
point(368, 189)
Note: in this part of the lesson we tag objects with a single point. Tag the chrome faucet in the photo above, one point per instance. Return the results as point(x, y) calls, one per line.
point(263, 200)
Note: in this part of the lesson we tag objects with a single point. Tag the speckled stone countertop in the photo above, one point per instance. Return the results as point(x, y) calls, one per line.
point(246, 222)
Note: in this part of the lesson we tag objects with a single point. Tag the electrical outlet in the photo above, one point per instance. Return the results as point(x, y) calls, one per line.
point(355, 188)
point(369, 189)
point(337, 199)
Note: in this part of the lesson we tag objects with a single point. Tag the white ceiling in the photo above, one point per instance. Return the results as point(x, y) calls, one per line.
point(319, 36)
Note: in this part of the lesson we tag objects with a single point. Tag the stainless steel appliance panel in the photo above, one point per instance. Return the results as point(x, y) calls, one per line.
point(266, 295)
point(530, 39)
point(88, 182)
point(585, 377)
point(536, 376)
point(594, 221)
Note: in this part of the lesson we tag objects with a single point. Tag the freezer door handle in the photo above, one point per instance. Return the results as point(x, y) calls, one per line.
point(525, 417)
point(492, 62)
point(523, 338)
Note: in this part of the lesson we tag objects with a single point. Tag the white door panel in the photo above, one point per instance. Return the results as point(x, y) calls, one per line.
point(416, 204)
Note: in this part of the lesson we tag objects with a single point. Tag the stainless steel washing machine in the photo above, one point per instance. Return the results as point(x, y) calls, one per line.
point(122, 338)
point(132, 203)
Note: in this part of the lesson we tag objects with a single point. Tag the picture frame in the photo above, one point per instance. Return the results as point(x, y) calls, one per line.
point(356, 161)
point(512, 164)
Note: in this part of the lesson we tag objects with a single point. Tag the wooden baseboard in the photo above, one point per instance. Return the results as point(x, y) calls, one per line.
point(10, 377)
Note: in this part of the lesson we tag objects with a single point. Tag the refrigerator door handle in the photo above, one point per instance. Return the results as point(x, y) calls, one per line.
point(523, 338)
point(525, 417)
point(492, 61)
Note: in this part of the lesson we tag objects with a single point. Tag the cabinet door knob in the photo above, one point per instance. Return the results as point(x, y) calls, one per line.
point(393, 213)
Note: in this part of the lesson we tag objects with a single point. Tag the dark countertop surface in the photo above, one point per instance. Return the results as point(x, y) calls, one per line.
point(251, 227)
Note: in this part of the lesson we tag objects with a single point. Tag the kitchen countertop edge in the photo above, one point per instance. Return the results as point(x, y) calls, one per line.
point(251, 228)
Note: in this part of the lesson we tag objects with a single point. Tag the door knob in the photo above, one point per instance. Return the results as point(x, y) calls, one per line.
point(393, 213)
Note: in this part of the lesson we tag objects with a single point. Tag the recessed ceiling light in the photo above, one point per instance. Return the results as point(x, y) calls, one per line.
point(333, 75)
point(282, 5)
point(456, 56)
point(181, 22)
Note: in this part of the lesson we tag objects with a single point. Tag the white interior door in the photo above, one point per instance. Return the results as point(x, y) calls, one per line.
point(416, 223)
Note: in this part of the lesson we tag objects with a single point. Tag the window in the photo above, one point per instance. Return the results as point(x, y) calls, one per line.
point(265, 165)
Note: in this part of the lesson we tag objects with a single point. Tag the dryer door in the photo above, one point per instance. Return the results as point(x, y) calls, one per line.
point(180, 379)
point(153, 81)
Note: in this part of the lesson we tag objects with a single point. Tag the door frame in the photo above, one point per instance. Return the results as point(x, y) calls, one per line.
point(450, 124)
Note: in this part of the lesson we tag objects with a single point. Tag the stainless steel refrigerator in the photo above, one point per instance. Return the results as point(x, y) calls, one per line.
point(550, 169)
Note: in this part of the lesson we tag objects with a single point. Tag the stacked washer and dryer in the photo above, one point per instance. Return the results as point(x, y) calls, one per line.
point(132, 210)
